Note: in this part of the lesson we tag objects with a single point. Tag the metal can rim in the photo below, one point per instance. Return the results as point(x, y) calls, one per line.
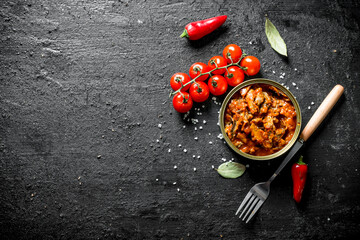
point(284, 90)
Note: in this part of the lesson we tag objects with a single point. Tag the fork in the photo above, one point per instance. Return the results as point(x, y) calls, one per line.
point(260, 192)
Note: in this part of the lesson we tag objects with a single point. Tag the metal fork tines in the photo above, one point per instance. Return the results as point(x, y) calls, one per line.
point(253, 201)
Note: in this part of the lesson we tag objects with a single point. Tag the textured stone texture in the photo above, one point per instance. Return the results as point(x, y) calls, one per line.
point(84, 85)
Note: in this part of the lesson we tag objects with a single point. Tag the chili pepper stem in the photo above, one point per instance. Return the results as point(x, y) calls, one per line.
point(300, 161)
point(184, 34)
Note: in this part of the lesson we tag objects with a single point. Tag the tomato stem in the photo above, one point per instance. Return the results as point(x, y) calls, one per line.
point(209, 72)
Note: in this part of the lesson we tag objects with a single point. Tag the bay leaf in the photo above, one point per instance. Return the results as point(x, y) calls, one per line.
point(231, 169)
point(274, 38)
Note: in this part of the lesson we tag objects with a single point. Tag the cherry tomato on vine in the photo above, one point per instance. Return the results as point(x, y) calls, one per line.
point(198, 68)
point(234, 51)
point(217, 85)
point(177, 79)
point(252, 64)
point(182, 102)
point(234, 76)
point(217, 61)
point(199, 91)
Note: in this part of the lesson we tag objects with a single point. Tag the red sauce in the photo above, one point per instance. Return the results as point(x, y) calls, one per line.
point(260, 119)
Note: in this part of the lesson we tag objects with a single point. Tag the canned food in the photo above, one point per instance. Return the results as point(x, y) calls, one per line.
point(266, 125)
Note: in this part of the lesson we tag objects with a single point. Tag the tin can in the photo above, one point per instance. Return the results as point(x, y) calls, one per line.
point(281, 88)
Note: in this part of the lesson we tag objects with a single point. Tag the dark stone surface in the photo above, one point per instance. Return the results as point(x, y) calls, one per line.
point(84, 85)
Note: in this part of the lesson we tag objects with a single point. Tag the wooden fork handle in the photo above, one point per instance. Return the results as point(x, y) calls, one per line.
point(322, 111)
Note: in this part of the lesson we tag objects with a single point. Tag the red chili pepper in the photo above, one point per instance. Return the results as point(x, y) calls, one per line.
point(298, 173)
point(199, 29)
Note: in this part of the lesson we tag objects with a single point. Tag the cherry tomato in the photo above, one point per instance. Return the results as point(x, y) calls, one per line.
point(234, 76)
point(198, 68)
point(219, 62)
point(199, 91)
point(217, 85)
point(234, 51)
point(252, 64)
point(177, 79)
point(182, 102)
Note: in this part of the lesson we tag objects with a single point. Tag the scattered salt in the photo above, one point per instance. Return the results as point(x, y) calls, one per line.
point(194, 169)
point(195, 128)
point(196, 138)
point(178, 189)
point(185, 150)
point(157, 140)
point(312, 103)
point(198, 156)
point(212, 166)
point(204, 121)
point(174, 183)
point(200, 127)
point(220, 136)
point(194, 156)
point(179, 145)
point(210, 142)
point(175, 167)
point(309, 107)
point(159, 125)
point(294, 84)
point(169, 150)
point(157, 180)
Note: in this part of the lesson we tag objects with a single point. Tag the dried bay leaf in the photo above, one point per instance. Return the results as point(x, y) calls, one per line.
point(231, 170)
point(274, 38)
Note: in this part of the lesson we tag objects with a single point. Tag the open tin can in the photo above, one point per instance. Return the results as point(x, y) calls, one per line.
point(281, 88)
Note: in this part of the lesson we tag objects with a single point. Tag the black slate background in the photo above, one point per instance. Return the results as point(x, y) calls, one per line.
point(81, 79)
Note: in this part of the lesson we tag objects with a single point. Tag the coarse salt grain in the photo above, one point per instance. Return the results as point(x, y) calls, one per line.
point(198, 156)
point(309, 107)
point(184, 126)
point(157, 140)
point(210, 142)
point(196, 138)
point(185, 150)
point(157, 180)
point(169, 150)
point(312, 103)
point(294, 84)
point(159, 125)
point(179, 145)
point(204, 121)
point(212, 166)
point(194, 156)
point(200, 127)
point(175, 167)
point(273, 71)
point(174, 183)
point(178, 189)
point(220, 136)
point(194, 169)
point(195, 128)
point(281, 76)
